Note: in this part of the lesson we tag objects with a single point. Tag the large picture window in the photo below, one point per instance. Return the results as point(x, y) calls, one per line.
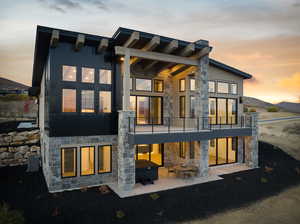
point(87, 101)
point(88, 75)
point(105, 102)
point(182, 106)
point(105, 76)
point(104, 159)
point(223, 111)
point(211, 86)
point(223, 87)
point(69, 73)
point(87, 156)
point(181, 85)
point(68, 162)
point(222, 151)
point(69, 100)
point(143, 84)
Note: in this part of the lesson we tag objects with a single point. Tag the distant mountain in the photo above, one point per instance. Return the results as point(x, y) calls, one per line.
point(292, 107)
point(8, 85)
point(253, 102)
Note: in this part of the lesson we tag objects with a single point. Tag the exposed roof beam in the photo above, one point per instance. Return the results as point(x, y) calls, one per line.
point(134, 37)
point(148, 47)
point(102, 45)
point(172, 46)
point(155, 56)
point(190, 48)
point(79, 42)
point(54, 38)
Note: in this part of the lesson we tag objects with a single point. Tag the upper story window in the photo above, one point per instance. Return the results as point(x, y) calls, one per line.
point(69, 73)
point(158, 85)
point(192, 84)
point(105, 76)
point(69, 100)
point(233, 88)
point(143, 84)
point(211, 86)
point(181, 85)
point(105, 102)
point(223, 87)
point(88, 75)
point(87, 101)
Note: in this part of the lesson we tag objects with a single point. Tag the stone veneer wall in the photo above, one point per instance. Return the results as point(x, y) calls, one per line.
point(16, 147)
point(51, 161)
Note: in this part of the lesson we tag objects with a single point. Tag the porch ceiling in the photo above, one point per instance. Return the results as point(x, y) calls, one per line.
point(160, 44)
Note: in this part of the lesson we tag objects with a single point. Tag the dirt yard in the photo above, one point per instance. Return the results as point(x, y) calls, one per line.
point(284, 207)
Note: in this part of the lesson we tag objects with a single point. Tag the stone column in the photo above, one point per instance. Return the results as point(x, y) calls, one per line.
point(201, 92)
point(126, 81)
point(240, 149)
point(126, 161)
point(203, 157)
point(168, 111)
point(251, 142)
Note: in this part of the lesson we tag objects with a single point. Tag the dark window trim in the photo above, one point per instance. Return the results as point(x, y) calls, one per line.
point(182, 150)
point(94, 160)
point(217, 112)
point(99, 146)
point(180, 115)
point(143, 90)
point(61, 162)
point(180, 85)
point(163, 85)
point(227, 149)
point(94, 99)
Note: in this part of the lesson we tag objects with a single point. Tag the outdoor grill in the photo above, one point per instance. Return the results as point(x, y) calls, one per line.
point(145, 172)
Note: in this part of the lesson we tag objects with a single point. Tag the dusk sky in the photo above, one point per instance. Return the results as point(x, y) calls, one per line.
point(260, 37)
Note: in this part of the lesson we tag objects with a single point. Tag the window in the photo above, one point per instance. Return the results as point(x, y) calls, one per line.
point(87, 155)
point(211, 86)
point(68, 162)
point(181, 85)
point(192, 150)
point(104, 159)
point(192, 84)
point(212, 110)
point(131, 83)
point(69, 73)
point(223, 111)
point(158, 85)
point(143, 84)
point(105, 76)
point(192, 105)
point(233, 88)
point(69, 100)
point(153, 153)
point(105, 102)
point(87, 101)
point(182, 106)
point(132, 103)
point(182, 149)
point(231, 111)
point(223, 87)
point(88, 75)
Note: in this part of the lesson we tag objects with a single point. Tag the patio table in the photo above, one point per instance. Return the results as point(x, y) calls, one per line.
point(185, 171)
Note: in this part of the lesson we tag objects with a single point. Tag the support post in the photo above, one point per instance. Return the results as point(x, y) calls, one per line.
point(203, 160)
point(126, 81)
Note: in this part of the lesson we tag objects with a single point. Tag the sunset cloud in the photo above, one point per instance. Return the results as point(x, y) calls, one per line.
point(291, 83)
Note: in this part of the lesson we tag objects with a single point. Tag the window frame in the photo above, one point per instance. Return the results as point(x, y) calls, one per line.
point(62, 73)
point(180, 85)
point(80, 159)
point(192, 109)
point(62, 101)
point(214, 83)
point(192, 79)
point(138, 90)
point(217, 111)
point(230, 89)
point(182, 150)
point(81, 90)
point(180, 109)
point(99, 71)
point(163, 86)
point(82, 69)
point(61, 162)
point(100, 112)
point(223, 82)
point(110, 169)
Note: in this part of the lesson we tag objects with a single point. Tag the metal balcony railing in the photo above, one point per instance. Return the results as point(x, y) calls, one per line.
point(186, 124)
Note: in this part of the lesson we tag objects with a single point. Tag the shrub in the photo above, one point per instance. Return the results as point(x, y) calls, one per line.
point(246, 109)
point(9, 216)
point(252, 110)
point(272, 109)
point(15, 97)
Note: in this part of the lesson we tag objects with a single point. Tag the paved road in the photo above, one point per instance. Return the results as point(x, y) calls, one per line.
point(279, 119)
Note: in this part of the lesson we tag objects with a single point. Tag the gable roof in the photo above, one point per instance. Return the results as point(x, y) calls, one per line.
point(6, 84)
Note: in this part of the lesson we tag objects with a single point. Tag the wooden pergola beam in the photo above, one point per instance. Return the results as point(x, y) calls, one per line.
point(172, 46)
point(134, 37)
point(54, 38)
point(148, 47)
point(79, 42)
point(102, 45)
point(155, 56)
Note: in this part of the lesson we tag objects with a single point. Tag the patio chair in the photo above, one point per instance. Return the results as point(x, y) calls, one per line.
point(170, 167)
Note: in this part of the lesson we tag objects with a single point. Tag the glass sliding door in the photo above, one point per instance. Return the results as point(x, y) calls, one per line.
point(142, 110)
point(150, 152)
point(212, 152)
point(212, 110)
point(156, 110)
point(222, 118)
point(232, 150)
point(156, 154)
point(231, 111)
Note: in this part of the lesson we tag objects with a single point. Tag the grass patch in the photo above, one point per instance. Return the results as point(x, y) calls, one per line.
point(16, 97)
point(292, 129)
point(272, 109)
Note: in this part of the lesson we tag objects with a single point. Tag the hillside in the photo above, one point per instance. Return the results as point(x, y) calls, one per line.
point(253, 102)
point(292, 107)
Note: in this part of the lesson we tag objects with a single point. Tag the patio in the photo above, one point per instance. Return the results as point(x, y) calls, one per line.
point(167, 181)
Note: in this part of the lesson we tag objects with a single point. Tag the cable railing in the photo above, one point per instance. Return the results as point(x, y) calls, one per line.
point(187, 124)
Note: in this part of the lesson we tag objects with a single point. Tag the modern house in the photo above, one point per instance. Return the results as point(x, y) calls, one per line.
point(106, 103)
